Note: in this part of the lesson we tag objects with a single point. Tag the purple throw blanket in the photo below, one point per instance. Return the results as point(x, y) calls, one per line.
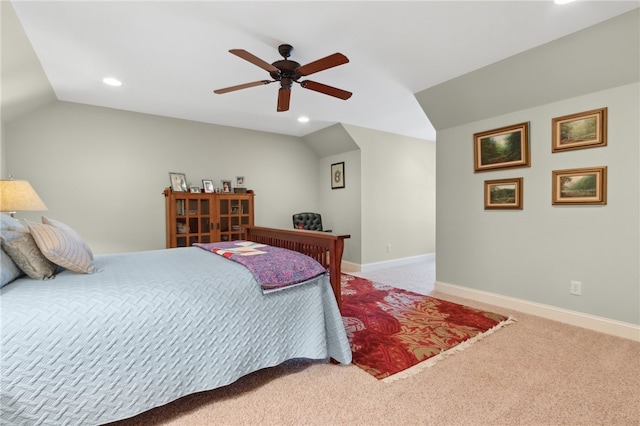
point(273, 267)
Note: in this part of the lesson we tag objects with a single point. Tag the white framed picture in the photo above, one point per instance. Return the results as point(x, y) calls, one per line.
point(207, 185)
point(178, 182)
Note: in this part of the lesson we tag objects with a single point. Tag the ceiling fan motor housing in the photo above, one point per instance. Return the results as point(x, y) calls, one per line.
point(286, 67)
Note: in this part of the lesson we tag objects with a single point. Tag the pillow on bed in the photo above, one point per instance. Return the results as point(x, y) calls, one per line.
point(23, 250)
point(62, 248)
point(8, 223)
point(69, 231)
point(9, 270)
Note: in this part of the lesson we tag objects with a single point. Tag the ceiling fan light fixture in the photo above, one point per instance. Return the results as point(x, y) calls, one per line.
point(287, 72)
point(111, 81)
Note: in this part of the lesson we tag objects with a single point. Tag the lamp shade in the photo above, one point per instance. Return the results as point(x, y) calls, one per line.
point(18, 196)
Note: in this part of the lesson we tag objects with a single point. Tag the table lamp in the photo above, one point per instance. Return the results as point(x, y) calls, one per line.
point(19, 196)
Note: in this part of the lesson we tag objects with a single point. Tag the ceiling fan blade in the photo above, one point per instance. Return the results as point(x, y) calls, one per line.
point(284, 97)
point(327, 90)
point(242, 86)
point(322, 64)
point(254, 60)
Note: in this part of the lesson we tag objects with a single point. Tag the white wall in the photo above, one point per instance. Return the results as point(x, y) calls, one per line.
point(534, 253)
point(341, 208)
point(398, 195)
point(3, 156)
point(102, 171)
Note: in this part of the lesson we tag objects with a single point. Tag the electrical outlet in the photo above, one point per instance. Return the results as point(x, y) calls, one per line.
point(575, 288)
point(388, 248)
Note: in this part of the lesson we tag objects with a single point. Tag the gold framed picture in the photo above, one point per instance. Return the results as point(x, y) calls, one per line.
point(502, 148)
point(580, 186)
point(503, 194)
point(586, 129)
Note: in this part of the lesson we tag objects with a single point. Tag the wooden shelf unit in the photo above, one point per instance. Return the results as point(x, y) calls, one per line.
point(206, 217)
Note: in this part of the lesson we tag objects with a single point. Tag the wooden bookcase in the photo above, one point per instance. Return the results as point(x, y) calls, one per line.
point(206, 217)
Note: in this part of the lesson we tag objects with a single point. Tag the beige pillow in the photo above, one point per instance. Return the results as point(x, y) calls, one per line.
point(21, 247)
point(70, 231)
point(62, 248)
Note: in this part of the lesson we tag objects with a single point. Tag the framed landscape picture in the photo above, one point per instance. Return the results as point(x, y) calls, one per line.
point(503, 194)
point(580, 186)
point(578, 131)
point(502, 148)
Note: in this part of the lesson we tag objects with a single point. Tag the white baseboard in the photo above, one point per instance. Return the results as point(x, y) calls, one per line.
point(350, 267)
point(591, 322)
point(368, 267)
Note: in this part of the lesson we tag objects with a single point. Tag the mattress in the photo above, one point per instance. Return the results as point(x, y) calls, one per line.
point(149, 328)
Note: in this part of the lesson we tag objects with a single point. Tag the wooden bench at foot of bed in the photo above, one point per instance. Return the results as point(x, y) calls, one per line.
point(324, 247)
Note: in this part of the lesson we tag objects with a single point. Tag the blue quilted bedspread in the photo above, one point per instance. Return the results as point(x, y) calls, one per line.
point(147, 329)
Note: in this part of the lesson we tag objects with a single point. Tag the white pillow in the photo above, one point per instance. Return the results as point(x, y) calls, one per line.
point(62, 248)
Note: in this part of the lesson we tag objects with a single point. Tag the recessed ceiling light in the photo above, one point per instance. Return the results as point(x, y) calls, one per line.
point(112, 81)
point(563, 1)
point(303, 119)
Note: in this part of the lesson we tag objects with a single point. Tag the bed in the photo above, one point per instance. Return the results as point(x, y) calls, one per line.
point(150, 327)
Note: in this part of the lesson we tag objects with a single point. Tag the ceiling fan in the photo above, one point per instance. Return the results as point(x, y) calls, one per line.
point(288, 72)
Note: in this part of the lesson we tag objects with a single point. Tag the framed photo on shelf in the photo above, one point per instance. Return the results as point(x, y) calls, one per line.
point(502, 148)
point(337, 175)
point(240, 181)
point(207, 185)
point(580, 186)
point(586, 129)
point(503, 194)
point(195, 189)
point(178, 182)
point(226, 186)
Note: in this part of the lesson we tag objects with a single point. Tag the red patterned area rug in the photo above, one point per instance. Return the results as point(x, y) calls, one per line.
point(394, 333)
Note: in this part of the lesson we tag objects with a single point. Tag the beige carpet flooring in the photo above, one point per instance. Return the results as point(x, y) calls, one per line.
point(532, 372)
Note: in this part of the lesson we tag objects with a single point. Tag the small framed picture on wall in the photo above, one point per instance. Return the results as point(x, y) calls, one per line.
point(586, 185)
point(502, 148)
point(503, 194)
point(578, 131)
point(337, 175)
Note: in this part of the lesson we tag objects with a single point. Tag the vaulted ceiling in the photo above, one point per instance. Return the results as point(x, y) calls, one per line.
point(171, 55)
